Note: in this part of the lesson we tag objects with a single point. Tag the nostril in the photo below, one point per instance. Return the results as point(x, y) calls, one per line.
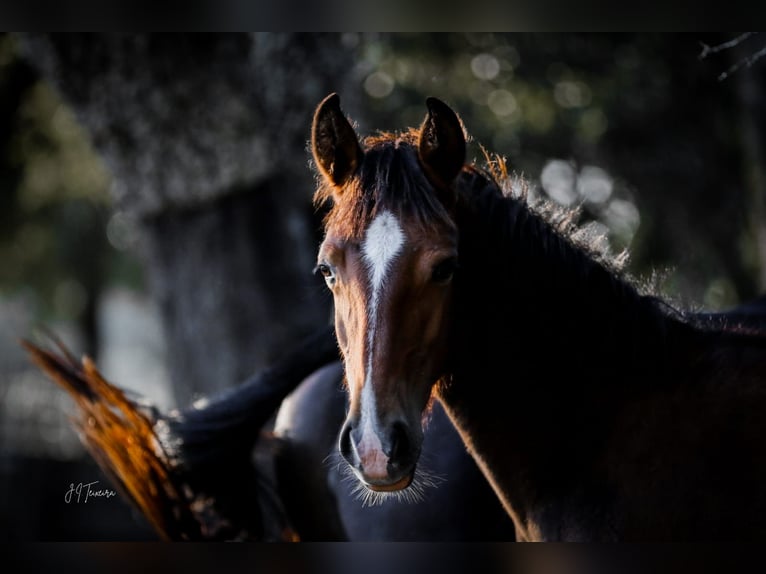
point(400, 444)
point(344, 444)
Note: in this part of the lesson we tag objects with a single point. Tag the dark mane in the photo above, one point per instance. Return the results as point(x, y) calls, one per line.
point(520, 224)
point(571, 292)
point(557, 228)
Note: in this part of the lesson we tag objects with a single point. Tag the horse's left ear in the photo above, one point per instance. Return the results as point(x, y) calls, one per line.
point(441, 146)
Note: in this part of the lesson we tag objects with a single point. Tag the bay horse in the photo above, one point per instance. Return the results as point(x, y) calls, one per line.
point(595, 412)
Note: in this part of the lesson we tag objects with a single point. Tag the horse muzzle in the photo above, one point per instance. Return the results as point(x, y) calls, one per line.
point(384, 462)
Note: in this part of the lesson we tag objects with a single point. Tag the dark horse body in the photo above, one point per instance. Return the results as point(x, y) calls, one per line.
point(322, 504)
point(595, 412)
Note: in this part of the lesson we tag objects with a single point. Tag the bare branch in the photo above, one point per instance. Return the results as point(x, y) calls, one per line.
point(749, 61)
point(707, 49)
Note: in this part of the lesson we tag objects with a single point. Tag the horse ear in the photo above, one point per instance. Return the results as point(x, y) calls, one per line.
point(441, 146)
point(334, 143)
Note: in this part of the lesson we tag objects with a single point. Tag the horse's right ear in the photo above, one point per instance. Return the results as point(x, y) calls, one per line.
point(334, 143)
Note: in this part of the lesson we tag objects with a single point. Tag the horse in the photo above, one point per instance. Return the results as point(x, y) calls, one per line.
point(596, 411)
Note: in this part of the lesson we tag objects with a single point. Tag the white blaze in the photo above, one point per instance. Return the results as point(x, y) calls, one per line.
point(382, 243)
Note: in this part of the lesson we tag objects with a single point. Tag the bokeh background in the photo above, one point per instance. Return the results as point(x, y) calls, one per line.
point(155, 198)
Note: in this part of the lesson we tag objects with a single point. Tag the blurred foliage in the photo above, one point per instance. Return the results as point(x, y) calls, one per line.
point(55, 209)
point(534, 99)
point(58, 163)
point(634, 128)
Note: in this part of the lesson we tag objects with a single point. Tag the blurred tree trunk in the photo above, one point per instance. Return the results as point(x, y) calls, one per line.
point(205, 136)
point(751, 92)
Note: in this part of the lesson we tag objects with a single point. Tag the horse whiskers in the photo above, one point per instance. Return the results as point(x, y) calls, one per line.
point(423, 480)
point(414, 493)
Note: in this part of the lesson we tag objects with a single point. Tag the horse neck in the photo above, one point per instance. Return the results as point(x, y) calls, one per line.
point(547, 340)
point(524, 291)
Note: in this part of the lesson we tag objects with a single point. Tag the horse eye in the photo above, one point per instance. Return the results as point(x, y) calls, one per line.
point(326, 272)
point(444, 270)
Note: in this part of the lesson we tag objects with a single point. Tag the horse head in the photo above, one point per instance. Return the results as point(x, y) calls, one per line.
point(389, 256)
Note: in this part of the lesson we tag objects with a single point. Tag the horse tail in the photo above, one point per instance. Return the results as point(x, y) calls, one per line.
point(192, 472)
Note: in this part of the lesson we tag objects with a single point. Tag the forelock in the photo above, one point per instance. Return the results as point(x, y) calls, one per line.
point(389, 179)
